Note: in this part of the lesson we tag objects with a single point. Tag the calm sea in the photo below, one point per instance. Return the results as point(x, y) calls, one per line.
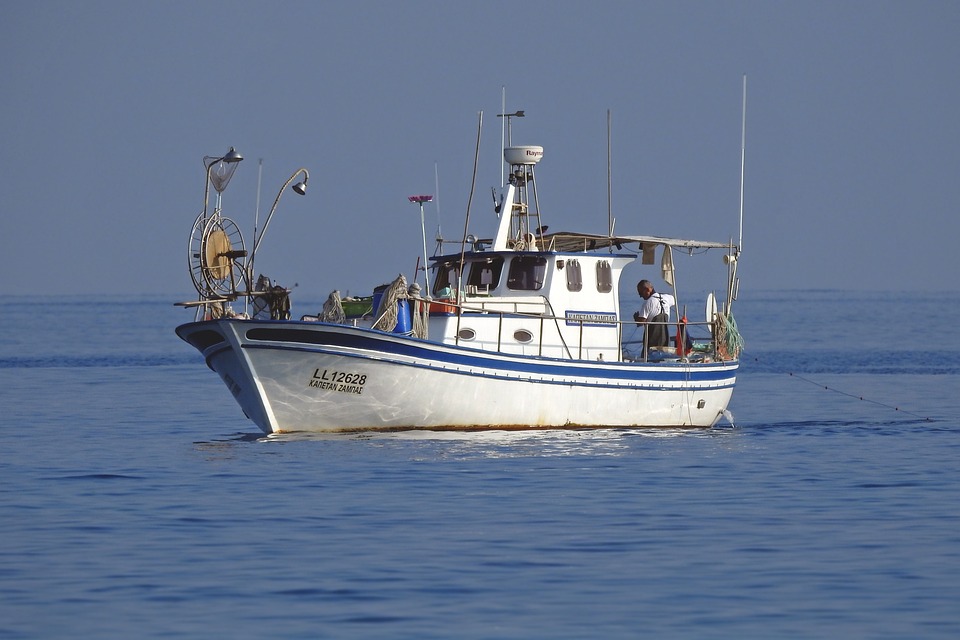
point(137, 502)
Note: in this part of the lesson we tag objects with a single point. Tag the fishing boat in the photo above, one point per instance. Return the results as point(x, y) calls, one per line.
point(517, 329)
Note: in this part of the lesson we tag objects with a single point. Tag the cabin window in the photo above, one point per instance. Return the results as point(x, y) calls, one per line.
point(485, 275)
point(527, 273)
point(604, 277)
point(466, 334)
point(574, 277)
point(446, 281)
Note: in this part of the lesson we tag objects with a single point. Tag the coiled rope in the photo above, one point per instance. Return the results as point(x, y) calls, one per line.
point(386, 313)
point(333, 309)
point(420, 311)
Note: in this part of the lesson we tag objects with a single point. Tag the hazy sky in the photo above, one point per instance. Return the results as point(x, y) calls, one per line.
point(853, 133)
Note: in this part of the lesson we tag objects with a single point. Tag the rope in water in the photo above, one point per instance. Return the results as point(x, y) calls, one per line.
point(859, 397)
point(853, 395)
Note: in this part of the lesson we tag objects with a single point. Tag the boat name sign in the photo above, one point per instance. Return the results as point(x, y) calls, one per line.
point(591, 318)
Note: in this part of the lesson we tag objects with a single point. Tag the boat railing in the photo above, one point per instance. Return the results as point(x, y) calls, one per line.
point(697, 345)
point(511, 307)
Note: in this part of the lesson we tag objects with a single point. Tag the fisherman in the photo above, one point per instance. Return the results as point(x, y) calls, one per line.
point(654, 315)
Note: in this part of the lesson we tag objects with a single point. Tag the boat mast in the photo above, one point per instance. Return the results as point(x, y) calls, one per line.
point(514, 231)
point(466, 222)
point(743, 155)
point(420, 199)
point(733, 283)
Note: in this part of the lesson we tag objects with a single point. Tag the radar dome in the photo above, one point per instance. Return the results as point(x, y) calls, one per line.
point(523, 155)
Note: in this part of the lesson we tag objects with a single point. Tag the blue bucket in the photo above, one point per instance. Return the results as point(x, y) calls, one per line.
point(404, 323)
point(403, 318)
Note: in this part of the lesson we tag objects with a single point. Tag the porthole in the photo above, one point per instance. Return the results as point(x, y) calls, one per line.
point(466, 334)
point(522, 335)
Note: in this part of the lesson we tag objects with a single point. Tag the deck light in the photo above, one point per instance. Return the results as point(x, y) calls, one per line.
point(300, 188)
point(231, 156)
point(226, 165)
point(420, 199)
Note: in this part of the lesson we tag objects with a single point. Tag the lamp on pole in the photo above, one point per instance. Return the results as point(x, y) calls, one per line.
point(228, 164)
point(300, 188)
point(423, 234)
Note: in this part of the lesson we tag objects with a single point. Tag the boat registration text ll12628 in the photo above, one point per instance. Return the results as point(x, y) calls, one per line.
point(342, 381)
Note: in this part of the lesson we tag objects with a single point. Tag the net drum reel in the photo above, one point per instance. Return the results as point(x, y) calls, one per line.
point(217, 256)
point(216, 252)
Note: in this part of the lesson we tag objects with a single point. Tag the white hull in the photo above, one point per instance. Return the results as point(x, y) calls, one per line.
point(308, 376)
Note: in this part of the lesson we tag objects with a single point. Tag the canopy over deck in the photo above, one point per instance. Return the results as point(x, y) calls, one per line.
point(569, 242)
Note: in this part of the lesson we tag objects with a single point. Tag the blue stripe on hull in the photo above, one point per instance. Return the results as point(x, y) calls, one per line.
point(333, 339)
point(640, 380)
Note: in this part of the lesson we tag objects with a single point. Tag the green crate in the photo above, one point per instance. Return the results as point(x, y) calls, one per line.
point(358, 307)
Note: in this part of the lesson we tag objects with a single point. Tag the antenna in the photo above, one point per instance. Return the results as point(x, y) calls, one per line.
point(743, 153)
point(506, 122)
point(503, 134)
point(436, 203)
point(256, 215)
point(256, 223)
point(609, 181)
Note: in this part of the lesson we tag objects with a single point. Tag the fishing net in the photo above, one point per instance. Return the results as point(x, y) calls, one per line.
point(729, 340)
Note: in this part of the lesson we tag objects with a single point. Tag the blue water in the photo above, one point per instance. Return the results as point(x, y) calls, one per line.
point(136, 501)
